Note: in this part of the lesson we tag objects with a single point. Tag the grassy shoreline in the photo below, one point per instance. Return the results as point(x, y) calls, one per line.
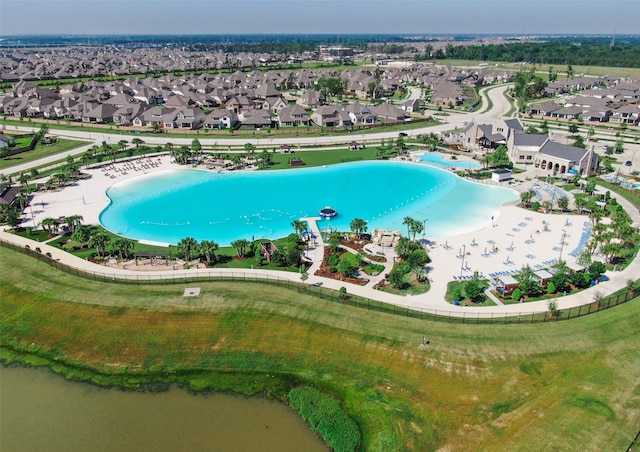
point(474, 386)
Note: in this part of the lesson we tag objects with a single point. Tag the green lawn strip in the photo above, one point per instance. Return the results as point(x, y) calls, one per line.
point(324, 157)
point(581, 375)
point(458, 287)
point(41, 150)
point(633, 196)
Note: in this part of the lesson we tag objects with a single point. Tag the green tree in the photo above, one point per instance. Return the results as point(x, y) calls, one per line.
point(209, 248)
point(99, 241)
point(74, 221)
point(563, 203)
point(570, 71)
point(124, 247)
point(299, 226)
point(405, 247)
point(500, 158)
point(241, 246)
point(473, 290)
point(619, 147)
point(188, 247)
point(346, 268)
point(358, 226)
point(553, 75)
point(396, 277)
point(82, 234)
point(527, 196)
point(573, 128)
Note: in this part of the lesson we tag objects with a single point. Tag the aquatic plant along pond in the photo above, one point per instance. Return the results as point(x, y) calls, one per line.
point(227, 206)
point(439, 159)
point(41, 411)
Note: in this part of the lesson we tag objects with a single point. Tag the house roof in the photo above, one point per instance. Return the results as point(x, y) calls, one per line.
point(8, 193)
point(543, 274)
point(529, 139)
point(563, 151)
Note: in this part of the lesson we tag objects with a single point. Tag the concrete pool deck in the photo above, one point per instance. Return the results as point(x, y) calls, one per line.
point(519, 237)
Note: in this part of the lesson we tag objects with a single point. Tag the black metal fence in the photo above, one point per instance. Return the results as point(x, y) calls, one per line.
point(459, 316)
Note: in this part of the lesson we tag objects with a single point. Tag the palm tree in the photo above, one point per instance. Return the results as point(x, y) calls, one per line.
point(74, 221)
point(358, 226)
point(123, 145)
point(188, 247)
point(241, 246)
point(48, 224)
point(124, 246)
point(408, 221)
point(209, 248)
point(527, 196)
point(99, 241)
point(299, 227)
point(137, 142)
point(416, 227)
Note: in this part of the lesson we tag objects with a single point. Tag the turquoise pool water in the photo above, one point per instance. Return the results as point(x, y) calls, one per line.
point(224, 207)
point(439, 160)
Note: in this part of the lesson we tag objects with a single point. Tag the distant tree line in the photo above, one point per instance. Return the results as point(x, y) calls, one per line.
point(586, 52)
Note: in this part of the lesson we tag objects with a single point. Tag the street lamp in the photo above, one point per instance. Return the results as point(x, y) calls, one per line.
point(564, 233)
point(424, 227)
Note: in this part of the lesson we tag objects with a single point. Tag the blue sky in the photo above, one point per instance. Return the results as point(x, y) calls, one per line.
point(318, 16)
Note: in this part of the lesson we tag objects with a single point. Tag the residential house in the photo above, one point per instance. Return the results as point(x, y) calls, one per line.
point(331, 116)
point(311, 100)
point(154, 115)
point(220, 118)
point(629, 114)
point(125, 115)
point(255, 119)
point(360, 114)
point(293, 115)
point(101, 114)
point(274, 104)
point(389, 112)
point(544, 108)
point(185, 118)
point(412, 105)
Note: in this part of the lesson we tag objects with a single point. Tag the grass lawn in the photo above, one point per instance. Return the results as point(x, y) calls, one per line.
point(459, 286)
point(41, 150)
point(324, 157)
point(566, 386)
point(543, 68)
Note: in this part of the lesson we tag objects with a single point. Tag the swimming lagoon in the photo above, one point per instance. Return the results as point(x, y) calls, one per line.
point(438, 159)
point(170, 205)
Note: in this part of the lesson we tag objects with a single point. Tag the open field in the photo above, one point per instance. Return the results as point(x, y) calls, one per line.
point(596, 71)
point(566, 386)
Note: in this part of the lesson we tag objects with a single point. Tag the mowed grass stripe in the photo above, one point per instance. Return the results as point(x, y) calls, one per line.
point(568, 385)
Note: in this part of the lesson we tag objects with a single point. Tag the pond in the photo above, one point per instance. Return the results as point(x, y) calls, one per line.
point(41, 411)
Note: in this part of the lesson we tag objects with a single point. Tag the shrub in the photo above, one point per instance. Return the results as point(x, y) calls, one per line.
point(551, 288)
point(516, 295)
point(535, 206)
point(333, 269)
point(325, 417)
